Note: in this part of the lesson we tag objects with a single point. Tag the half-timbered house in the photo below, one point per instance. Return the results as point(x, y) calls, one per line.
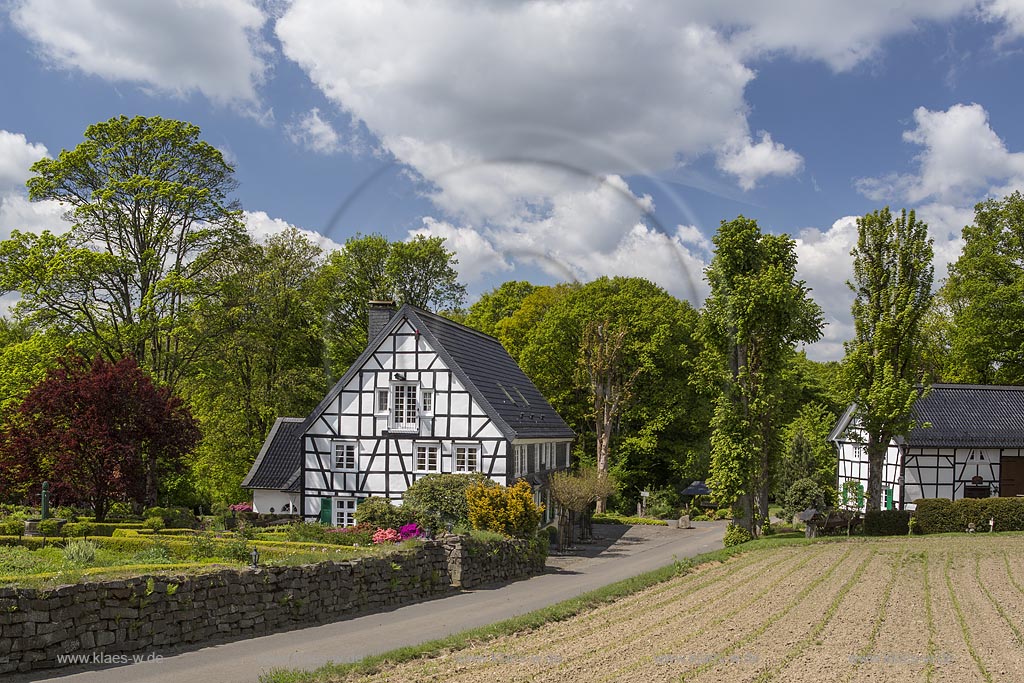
point(427, 395)
point(968, 443)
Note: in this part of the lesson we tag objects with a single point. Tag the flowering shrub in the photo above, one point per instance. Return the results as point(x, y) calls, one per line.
point(360, 534)
point(386, 536)
point(410, 531)
point(241, 507)
point(510, 511)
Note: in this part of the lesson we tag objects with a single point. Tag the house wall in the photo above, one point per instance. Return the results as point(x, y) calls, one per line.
point(386, 458)
point(263, 500)
point(927, 472)
point(853, 466)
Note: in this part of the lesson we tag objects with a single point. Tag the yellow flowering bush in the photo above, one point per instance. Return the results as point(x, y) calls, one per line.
point(509, 511)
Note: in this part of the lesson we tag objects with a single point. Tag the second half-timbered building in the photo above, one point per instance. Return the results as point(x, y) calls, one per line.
point(427, 395)
point(968, 443)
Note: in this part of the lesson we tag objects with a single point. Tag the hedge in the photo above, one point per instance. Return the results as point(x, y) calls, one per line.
point(887, 522)
point(938, 515)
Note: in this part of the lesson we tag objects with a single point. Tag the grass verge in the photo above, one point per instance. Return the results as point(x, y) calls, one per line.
point(557, 612)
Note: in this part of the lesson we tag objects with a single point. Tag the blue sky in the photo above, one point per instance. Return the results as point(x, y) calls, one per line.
point(547, 140)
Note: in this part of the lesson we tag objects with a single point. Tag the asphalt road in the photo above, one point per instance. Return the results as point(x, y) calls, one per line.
point(622, 553)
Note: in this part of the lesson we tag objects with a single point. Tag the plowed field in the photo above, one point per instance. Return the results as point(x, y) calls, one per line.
point(908, 609)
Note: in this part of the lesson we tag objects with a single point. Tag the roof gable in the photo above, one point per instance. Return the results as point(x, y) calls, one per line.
point(483, 366)
point(279, 459)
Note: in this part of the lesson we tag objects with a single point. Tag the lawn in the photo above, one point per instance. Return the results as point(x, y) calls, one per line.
point(936, 608)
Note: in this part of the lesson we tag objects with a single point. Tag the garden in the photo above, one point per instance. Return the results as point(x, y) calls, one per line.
point(71, 546)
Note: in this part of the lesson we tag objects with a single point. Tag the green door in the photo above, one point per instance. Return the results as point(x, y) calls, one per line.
point(888, 499)
point(325, 511)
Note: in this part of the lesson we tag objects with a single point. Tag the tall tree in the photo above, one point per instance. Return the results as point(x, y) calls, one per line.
point(99, 431)
point(420, 272)
point(657, 439)
point(985, 296)
point(892, 281)
point(268, 360)
point(151, 215)
point(602, 360)
point(500, 303)
point(757, 312)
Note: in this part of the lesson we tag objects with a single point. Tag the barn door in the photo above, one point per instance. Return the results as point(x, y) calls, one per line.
point(1011, 477)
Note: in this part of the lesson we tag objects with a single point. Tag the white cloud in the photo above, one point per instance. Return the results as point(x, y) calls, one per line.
point(17, 155)
point(750, 162)
point(174, 46)
point(961, 157)
point(261, 226)
point(477, 256)
point(314, 133)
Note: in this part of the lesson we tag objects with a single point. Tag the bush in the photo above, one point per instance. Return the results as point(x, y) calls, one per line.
point(664, 504)
point(202, 546)
point(735, 535)
point(125, 533)
point(441, 498)
point(154, 523)
point(381, 513)
point(12, 527)
point(724, 513)
point(803, 494)
point(176, 517)
point(50, 527)
point(360, 534)
point(611, 518)
point(386, 536)
point(934, 515)
point(508, 510)
point(887, 523)
point(77, 529)
point(79, 552)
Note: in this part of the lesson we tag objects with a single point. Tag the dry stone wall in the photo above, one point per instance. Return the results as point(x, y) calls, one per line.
point(110, 621)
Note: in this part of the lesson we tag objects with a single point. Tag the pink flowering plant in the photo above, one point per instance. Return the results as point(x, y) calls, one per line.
point(410, 531)
point(241, 507)
point(386, 536)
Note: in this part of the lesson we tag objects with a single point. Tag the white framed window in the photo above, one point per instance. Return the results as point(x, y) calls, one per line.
point(344, 511)
point(403, 408)
point(382, 401)
point(428, 458)
point(427, 401)
point(467, 458)
point(520, 461)
point(346, 456)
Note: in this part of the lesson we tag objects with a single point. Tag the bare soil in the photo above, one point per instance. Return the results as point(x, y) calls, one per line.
point(929, 609)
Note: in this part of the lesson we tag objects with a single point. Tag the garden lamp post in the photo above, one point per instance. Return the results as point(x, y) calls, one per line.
point(45, 514)
point(255, 555)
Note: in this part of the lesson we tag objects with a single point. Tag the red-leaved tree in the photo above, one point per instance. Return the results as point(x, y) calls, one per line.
point(99, 432)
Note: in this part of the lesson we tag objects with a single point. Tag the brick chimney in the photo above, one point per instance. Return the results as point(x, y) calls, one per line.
point(380, 313)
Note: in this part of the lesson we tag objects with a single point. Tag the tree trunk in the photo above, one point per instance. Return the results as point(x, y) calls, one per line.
point(603, 446)
point(746, 518)
point(876, 466)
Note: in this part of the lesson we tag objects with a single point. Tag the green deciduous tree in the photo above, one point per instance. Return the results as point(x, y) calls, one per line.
point(420, 272)
point(757, 312)
point(151, 216)
point(892, 280)
point(807, 452)
point(984, 296)
point(500, 303)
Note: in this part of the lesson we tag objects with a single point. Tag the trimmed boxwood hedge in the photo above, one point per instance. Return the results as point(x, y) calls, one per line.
point(938, 515)
point(887, 522)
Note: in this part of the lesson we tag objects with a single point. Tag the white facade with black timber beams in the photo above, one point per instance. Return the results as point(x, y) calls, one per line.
point(968, 443)
point(428, 395)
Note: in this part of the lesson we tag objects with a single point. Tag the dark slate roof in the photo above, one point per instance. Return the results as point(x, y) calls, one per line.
point(970, 415)
point(483, 365)
point(278, 463)
point(498, 381)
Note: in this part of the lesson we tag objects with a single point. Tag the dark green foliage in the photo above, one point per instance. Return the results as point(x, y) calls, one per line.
point(735, 535)
point(202, 546)
point(173, 517)
point(887, 522)
point(383, 514)
point(1008, 513)
point(934, 515)
point(50, 527)
point(807, 493)
point(664, 503)
point(439, 498)
point(77, 529)
point(12, 527)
